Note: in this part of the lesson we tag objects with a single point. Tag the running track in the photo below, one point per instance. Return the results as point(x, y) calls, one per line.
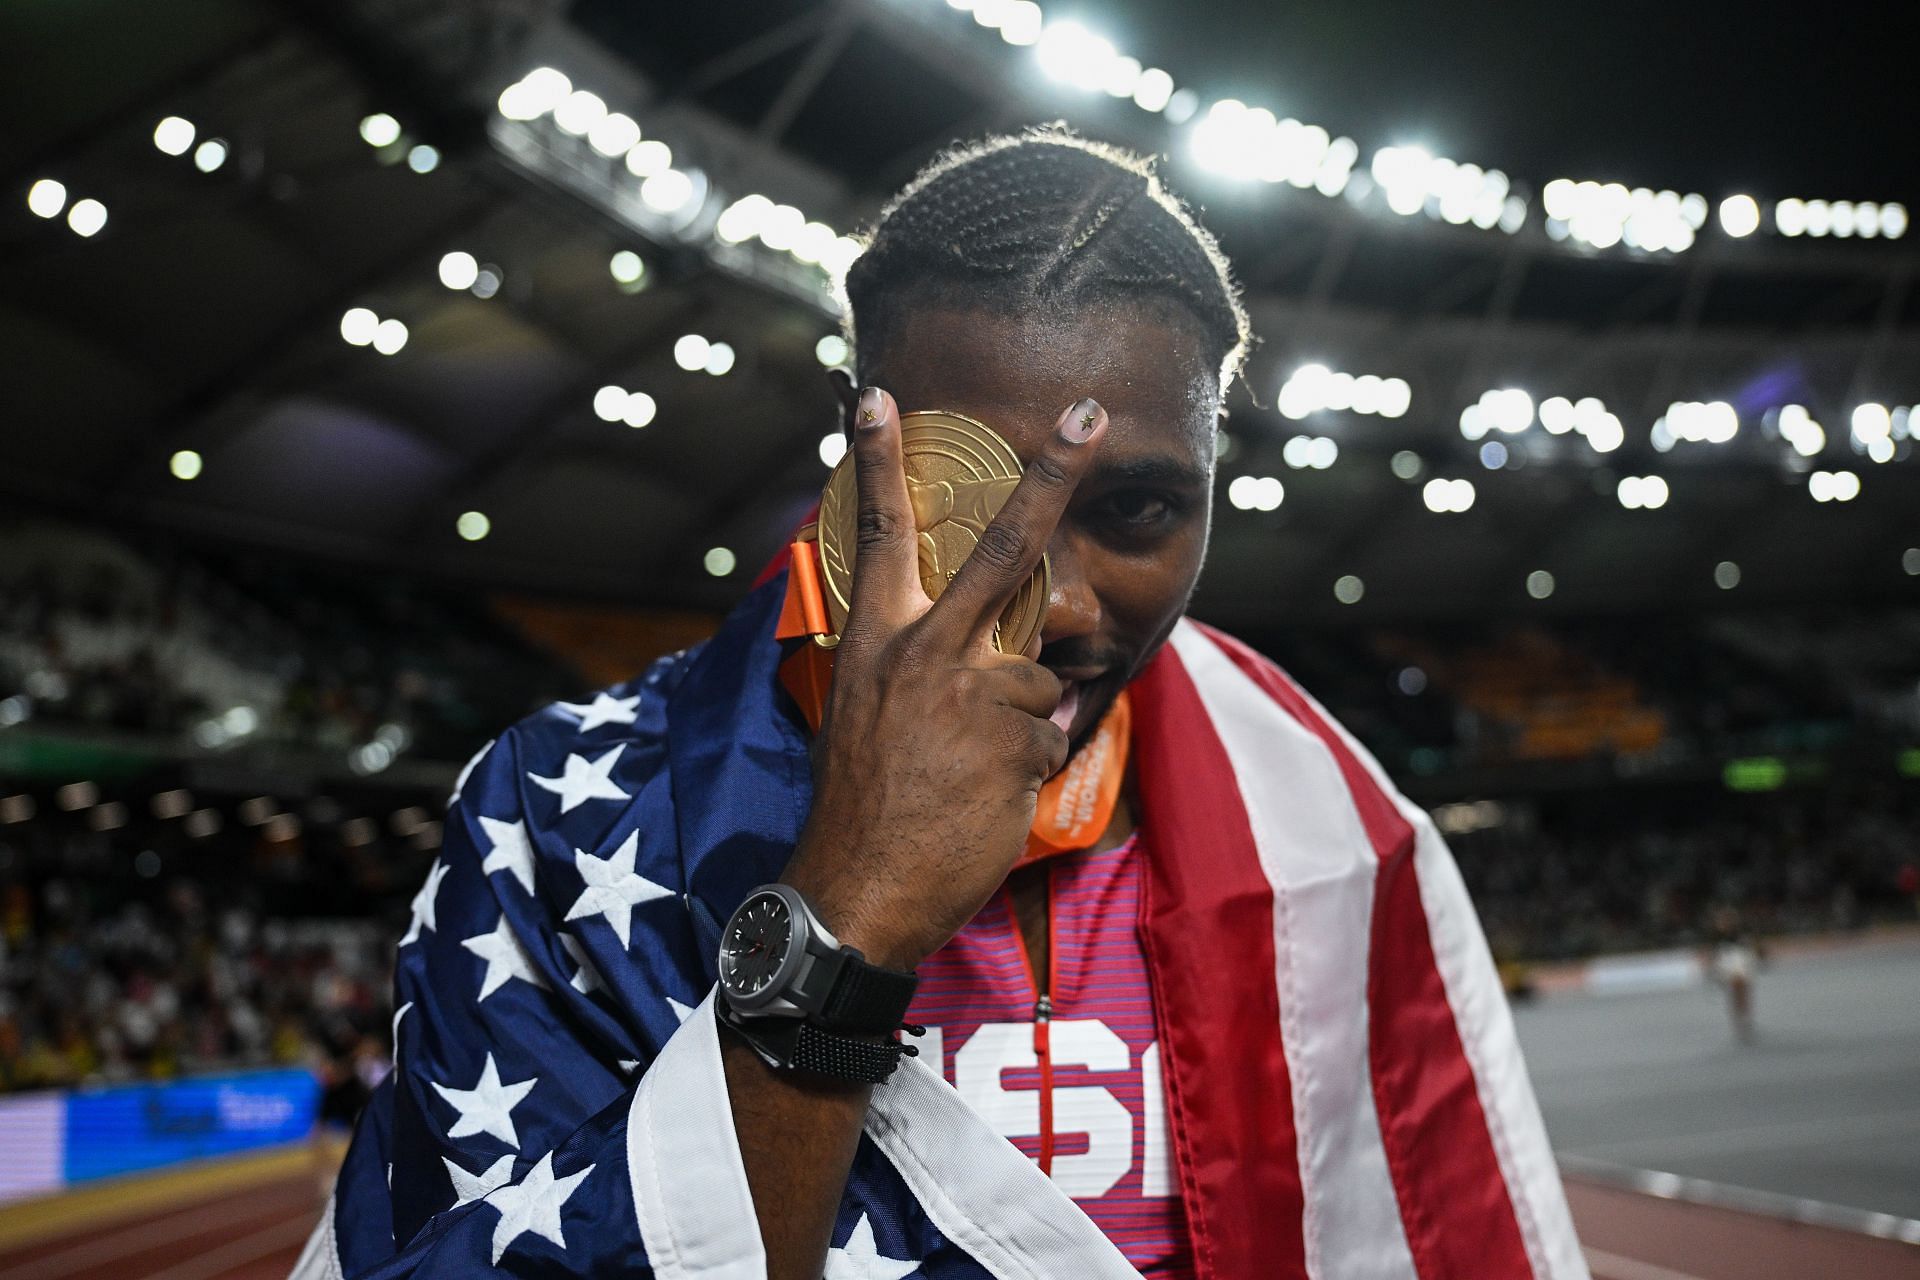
point(255, 1233)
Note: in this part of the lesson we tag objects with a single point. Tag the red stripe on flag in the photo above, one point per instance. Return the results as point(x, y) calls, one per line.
point(1207, 930)
point(1453, 1198)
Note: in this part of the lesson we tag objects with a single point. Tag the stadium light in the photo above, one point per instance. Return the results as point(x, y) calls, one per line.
point(639, 410)
point(1317, 452)
point(613, 135)
point(690, 352)
point(1348, 589)
point(719, 561)
point(458, 270)
point(46, 198)
point(1833, 486)
point(473, 525)
point(1314, 387)
point(578, 112)
point(668, 191)
point(1739, 216)
point(1642, 493)
point(210, 155)
point(1256, 493)
point(650, 157)
point(1871, 422)
point(357, 326)
point(1447, 496)
point(380, 130)
point(87, 217)
point(1153, 90)
point(173, 135)
point(1022, 23)
point(1070, 54)
point(1540, 584)
point(545, 88)
point(1726, 575)
point(185, 464)
point(626, 267)
point(389, 337)
point(833, 447)
point(831, 351)
point(609, 403)
point(1698, 422)
point(423, 158)
point(1799, 430)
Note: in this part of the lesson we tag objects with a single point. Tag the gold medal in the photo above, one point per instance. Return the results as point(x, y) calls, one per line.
point(959, 474)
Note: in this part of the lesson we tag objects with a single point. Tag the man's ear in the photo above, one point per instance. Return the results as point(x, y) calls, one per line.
point(846, 393)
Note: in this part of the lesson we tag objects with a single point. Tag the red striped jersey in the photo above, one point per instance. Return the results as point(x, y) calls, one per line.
point(1072, 1076)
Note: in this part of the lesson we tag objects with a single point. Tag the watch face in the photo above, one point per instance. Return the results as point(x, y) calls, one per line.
point(754, 945)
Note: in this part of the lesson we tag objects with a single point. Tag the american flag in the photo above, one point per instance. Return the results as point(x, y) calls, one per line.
point(1345, 1094)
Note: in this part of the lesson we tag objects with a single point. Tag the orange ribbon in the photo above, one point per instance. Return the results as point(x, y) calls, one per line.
point(1075, 805)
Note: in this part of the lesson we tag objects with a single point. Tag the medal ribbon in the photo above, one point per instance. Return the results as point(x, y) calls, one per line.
point(1075, 805)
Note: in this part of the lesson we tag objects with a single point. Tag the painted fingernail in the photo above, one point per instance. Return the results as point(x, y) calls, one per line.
point(1079, 423)
point(871, 406)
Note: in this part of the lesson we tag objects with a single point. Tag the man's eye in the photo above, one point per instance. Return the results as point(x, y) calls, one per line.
point(1141, 508)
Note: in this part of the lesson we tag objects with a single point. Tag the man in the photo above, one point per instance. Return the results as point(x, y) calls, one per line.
point(1247, 1026)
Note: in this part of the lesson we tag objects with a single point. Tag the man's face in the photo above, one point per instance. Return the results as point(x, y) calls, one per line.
point(1127, 553)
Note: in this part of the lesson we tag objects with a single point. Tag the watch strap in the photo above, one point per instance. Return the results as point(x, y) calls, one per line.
point(867, 998)
point(844, 1057)
point(792, 1045)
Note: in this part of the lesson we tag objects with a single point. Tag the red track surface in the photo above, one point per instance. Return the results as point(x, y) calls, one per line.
point(256, 1234)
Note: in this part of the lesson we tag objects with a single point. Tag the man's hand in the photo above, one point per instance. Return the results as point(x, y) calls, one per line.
point(935, 744)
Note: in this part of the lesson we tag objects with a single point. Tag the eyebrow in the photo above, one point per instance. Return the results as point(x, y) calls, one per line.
point(1149, 470)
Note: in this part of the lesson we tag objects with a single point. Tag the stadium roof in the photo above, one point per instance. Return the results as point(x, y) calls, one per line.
point(202, 329)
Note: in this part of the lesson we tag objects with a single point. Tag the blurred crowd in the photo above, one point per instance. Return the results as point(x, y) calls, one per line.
point(141, 953)
point(1658, 867)
point(217, 649)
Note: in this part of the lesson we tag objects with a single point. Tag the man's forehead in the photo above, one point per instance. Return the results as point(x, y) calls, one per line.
point(1017, 373)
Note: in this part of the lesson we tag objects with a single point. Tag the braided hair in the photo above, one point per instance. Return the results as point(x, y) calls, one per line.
point(1034, 219)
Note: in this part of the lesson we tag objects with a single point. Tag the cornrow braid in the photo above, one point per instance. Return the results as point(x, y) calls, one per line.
point(1031, 219)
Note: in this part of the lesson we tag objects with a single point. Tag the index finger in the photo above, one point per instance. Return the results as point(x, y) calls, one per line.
point(886, 579)
point(1010, 548)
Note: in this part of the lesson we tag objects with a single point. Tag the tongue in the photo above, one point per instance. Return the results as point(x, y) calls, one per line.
point(1068, 708)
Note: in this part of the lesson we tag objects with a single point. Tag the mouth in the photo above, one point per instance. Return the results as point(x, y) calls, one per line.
point(1063, 715)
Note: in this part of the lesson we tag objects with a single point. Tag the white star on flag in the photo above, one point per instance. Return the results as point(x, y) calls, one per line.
point(511, 850)
point(586, 979)
point(859, 1258)
point(506, 959)
point(466, 771)
point(423, 907)
point(680, 1011)
point(488, 1106)
point(581, 780)
point(468, 1187)
point(533, 1204)
point(604, 709)
point(613, 887)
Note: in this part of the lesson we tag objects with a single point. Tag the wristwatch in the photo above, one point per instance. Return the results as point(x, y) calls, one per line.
point(803, 999)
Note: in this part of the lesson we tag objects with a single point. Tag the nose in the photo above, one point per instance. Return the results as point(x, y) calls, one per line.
point(1073, 608)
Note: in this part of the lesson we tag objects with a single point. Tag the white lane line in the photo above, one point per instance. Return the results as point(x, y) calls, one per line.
point(1611, 1266)
point(185, 1221)
point(239, 1253)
